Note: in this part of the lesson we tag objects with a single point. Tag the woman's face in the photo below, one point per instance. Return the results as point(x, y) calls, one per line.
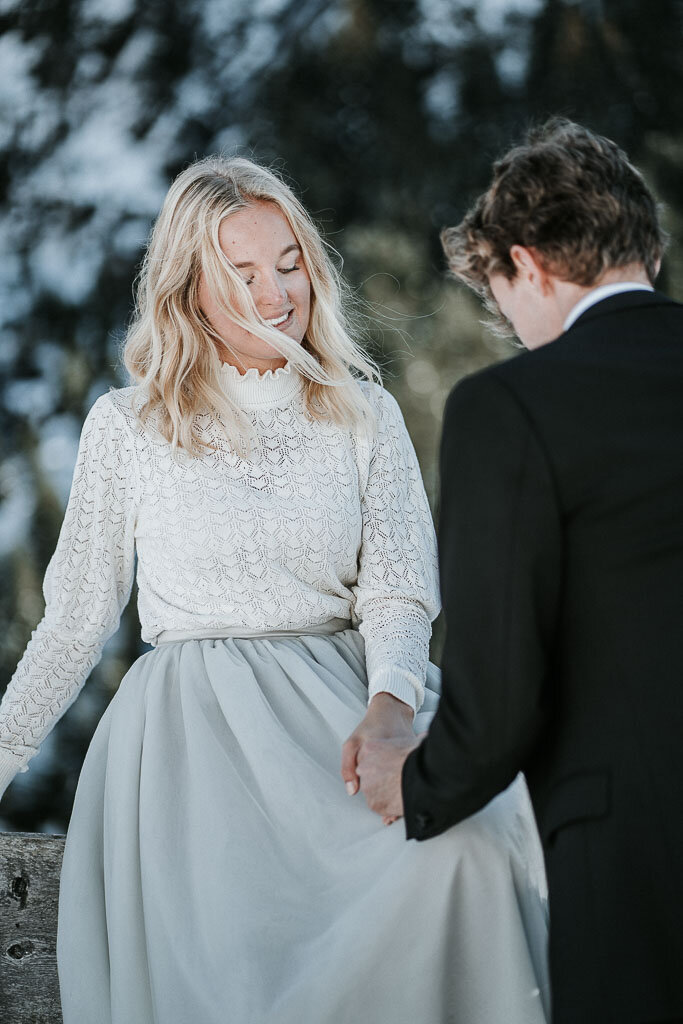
point(260, 244)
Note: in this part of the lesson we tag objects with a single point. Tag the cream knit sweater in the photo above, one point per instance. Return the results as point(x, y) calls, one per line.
point(318, 523)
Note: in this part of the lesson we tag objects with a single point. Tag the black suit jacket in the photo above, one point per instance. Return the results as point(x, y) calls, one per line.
point(561, 553)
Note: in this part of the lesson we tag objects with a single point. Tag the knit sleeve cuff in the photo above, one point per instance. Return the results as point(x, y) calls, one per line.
point(9, 767)
point(398, 683)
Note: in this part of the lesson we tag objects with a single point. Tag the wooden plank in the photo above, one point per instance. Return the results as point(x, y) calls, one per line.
point(29, 890)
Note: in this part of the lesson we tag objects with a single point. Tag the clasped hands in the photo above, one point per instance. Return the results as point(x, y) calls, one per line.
point(375, 752)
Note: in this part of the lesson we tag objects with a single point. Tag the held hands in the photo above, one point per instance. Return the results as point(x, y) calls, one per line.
point(374, 754)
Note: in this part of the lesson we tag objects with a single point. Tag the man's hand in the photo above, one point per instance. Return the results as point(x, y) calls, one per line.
point(380, 764)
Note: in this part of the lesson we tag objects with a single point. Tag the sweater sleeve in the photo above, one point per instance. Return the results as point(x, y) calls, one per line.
point(86, 586)
point(397, 592)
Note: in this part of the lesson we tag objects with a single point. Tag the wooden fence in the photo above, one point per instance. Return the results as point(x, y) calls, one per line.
point(29, 887)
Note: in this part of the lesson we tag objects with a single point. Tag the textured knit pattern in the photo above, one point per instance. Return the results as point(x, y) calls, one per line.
point(317, 523)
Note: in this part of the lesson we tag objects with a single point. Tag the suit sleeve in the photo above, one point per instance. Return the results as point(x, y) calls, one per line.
point(500, 563)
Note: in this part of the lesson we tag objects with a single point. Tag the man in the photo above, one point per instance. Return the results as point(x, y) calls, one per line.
point(561, 534)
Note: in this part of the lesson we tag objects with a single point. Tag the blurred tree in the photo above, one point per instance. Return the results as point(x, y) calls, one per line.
point(616, 66)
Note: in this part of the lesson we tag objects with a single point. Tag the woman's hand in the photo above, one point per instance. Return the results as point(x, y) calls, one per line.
point(387, 717)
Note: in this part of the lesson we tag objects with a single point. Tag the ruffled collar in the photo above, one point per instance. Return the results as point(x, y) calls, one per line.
point(271, 387)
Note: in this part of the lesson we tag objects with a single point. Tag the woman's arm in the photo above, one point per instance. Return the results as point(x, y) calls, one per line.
point(397, 589)
point(397, 593)
point(86, 586)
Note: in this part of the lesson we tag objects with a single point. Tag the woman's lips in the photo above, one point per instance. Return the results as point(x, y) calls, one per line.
point(283, 324)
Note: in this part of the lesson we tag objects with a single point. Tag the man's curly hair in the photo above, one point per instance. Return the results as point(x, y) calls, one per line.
point(570, 195)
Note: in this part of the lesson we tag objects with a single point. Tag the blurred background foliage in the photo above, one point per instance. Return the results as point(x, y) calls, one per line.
point(386, 114)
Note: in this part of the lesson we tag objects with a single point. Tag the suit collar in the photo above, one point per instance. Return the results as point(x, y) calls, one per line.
point(624, 300)
point(603, 291)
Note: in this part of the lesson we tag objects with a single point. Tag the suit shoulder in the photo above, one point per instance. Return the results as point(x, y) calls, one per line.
point(526, 377)
point(492, 381)
point(483, 398)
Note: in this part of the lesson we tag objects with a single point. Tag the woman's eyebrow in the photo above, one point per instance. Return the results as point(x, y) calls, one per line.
point(289, 248)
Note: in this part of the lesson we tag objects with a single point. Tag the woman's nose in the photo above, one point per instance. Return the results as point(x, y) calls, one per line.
point(272, 290)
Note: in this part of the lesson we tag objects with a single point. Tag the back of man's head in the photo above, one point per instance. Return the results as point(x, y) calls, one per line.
point(572, 197)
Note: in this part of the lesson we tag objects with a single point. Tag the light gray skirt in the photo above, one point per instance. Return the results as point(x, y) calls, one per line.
point(217, 872)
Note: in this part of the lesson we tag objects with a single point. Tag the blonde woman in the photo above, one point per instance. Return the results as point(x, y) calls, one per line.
point(215, 867)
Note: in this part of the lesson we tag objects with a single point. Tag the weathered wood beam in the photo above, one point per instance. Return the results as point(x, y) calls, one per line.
point(29, 889)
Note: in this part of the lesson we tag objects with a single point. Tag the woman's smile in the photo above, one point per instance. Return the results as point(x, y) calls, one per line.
point(261, 246)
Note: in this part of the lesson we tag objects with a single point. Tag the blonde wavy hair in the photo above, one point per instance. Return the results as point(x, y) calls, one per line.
point(171, 351)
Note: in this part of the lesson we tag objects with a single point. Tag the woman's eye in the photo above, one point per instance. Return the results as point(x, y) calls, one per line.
point(283, 270)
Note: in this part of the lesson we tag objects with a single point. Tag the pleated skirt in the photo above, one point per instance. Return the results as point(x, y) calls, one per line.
point(217, 872)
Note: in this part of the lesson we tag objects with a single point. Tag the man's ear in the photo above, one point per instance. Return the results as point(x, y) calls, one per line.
point(530, 268)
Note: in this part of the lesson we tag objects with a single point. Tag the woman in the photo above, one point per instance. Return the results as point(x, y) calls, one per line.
point(215, 868)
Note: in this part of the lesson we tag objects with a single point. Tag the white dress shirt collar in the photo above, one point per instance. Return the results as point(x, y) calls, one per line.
point(604, 291)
